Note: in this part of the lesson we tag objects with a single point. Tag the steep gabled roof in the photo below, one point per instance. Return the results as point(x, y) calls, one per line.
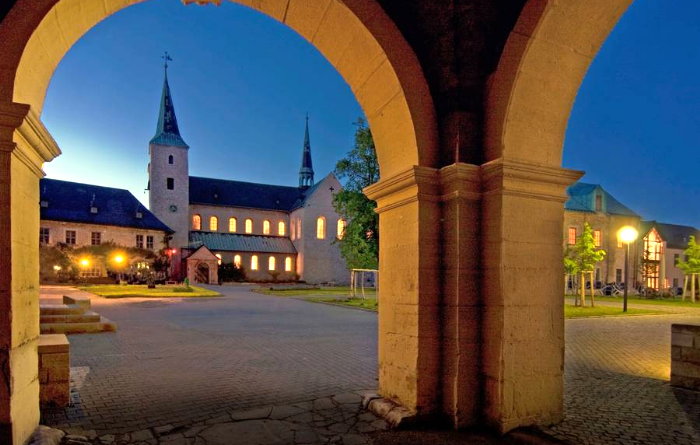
point(242, 243)
point(72, 202)
point(167, 130)
point(223, 192)
point(582, 199)
point(676, 236)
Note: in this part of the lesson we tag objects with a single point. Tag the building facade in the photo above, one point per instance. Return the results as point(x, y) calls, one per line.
point(274, 232)
point(652, 258)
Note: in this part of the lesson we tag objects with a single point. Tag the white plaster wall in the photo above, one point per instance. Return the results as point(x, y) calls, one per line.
point(160, 198)
point(123, 236)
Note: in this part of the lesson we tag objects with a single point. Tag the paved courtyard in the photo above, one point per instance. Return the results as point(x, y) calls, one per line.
point(190, 364)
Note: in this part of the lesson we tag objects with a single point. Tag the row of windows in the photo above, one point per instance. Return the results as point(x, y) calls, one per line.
point(267, 226)
point(95, 238)
point(271, 262)
point(597, 237)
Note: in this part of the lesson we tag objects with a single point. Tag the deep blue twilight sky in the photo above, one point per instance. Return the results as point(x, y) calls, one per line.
point(243, 82)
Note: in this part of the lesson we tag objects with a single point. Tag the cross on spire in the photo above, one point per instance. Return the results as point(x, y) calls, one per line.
point(166, 58)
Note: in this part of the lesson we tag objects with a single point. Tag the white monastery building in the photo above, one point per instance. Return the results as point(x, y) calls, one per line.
point(274, 232)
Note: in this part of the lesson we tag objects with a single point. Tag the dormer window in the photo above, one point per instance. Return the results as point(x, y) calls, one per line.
point(43, 203)
point(93, 210)
point(598, 202)
point(139, 215)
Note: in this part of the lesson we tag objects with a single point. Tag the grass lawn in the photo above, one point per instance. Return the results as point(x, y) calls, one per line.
point(571, 311)
point(142, 290)
point(339, 290)
point(369, 303)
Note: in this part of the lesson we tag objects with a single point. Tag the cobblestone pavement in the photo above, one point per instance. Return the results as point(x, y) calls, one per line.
point(191, 365)
point(179, 361)
point(616, 383)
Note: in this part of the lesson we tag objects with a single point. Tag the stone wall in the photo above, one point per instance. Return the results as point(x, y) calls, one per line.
point(685, 356)
point(122, 236)
point(54, 369)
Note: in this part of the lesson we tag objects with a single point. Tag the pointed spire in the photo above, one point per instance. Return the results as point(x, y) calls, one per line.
point(167, 131)
point(306, 172)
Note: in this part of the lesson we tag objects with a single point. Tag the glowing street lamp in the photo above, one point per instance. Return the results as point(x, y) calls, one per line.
point(627, 235)
point(119, 259)
point(84, 262)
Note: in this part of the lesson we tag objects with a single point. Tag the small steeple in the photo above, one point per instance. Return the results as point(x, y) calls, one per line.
point(167, 131)
point(306, 172)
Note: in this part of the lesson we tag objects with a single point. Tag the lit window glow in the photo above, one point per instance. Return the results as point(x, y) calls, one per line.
point(321, 227)
point(196, 222)
point(254, 262)
point(281, 228)
point(232, 222)
point(271, 263)
point(248, 225)
point(288, 264)
point(572, 235)
point(219, 258)
point(597, 238)
point(213, 223)
point(341, 228)
point(266, 227)
point(237, 260)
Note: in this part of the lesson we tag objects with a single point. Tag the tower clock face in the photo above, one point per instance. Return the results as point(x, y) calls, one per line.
point(173, 208)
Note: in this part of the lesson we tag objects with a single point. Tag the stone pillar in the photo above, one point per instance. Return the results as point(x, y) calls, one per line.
point(24, 146)
point(409, 283)
point(522, 290)
point(461, 300)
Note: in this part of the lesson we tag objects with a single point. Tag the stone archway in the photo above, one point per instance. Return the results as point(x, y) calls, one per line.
point(461, 334)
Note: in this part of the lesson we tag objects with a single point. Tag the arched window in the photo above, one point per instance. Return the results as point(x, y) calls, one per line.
point(321, 227)
point(271, 263)
point(341, 228)
point(232, 224)
point(196, 222)
point(219, 258)
point(237, 260)
point(266, 227)
point(213, 223)
point(299, 228)
point(171, 160)
point(288, 264)
point(281, 228)
point(254, 262)
point(248, 225)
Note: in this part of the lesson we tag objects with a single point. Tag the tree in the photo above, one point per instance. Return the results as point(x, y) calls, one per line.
point(690, 266)
point(582, 258)
point(359, 244)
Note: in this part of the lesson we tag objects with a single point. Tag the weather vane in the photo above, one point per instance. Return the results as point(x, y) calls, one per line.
point(166, 58)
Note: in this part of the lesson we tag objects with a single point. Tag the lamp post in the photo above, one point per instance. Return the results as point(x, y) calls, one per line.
point(627, 235)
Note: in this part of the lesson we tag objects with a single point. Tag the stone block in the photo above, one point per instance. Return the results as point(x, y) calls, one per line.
point(682, 339)
point(55, 393)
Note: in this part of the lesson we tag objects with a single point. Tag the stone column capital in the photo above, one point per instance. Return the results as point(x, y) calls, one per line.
point(410, 185)
point(460, 181)
point(23, 134)
point(521, 178)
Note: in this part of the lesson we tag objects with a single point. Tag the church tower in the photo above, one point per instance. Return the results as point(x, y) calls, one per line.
point(306, 172)
point(168, 170)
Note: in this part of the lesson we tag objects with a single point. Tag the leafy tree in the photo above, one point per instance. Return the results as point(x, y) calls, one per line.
point(692, 264)
point(359, 169)
point(582, 258)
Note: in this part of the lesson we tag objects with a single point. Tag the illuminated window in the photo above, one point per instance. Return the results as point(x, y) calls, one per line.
point(44, 235)
point(254, 262)
point(651, 265)
point(196, 222)
point(288, 264)
point(248, 225)
point(572, 235)
point(219, 259)
point(237, 260)
point(653, 246)
point(321, 227)
point(213, 223)
point(232, 224)
point(341, 228)
point(271, 263)
point(266, 227)
point(171, 159)
point(597, 237)
point(281, 228)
